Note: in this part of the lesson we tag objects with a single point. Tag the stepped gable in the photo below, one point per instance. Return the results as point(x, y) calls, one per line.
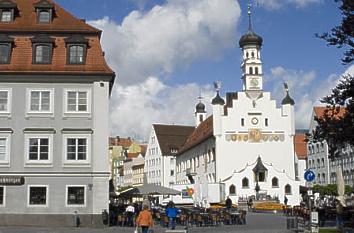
point(230, 96)
point(172, 137)
point(199, 135)
point(300, 146)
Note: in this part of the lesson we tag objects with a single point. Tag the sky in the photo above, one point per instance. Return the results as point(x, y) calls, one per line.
point(166, 52)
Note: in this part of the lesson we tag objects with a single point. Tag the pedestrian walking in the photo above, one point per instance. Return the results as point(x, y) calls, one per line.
point(285, 201)
point(171, 213)
point(145, 220)
point(129, 212)
point(228, 203)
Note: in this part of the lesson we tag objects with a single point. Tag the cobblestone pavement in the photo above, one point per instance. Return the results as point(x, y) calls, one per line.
point(256, 223)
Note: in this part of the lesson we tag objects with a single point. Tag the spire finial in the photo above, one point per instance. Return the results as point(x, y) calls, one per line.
point(249, 16)
point(200, 97)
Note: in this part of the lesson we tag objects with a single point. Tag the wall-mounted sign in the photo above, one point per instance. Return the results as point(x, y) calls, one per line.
point(12, 180)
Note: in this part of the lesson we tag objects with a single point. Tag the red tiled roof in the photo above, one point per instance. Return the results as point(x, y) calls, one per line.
point(200, 134)
point(26, 20)
point(63, 25)
point(300, 146)
point(319, 111)
point(132, 155)
point(118, 141)
point(172, 137)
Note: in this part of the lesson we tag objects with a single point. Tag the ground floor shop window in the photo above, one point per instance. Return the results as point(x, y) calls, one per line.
point(76, 195)
point(37, 195)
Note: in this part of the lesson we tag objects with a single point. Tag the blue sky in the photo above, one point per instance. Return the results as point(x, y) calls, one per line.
point(165, 51)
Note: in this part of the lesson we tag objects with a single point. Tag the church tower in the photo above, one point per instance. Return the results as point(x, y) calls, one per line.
point(252, 73)
point(200, 113)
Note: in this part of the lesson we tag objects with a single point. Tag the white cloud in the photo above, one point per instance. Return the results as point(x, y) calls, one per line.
point(276, 4)
point(134, 108)
point(305, 88)
point(168, 36)
point(148, 46)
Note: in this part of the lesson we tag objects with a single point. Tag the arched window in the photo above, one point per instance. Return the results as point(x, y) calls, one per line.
point(288, 189)
point(256, 70)
point(247, 55)
point(252, 54)
point(275, 182)
point(232, 190)
point(245, 183)
point(251, 70)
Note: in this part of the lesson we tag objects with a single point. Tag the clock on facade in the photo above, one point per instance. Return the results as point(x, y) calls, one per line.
point(254, 82)
point(254, 121)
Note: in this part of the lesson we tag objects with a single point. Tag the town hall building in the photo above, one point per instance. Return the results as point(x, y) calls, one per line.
point(246, 147)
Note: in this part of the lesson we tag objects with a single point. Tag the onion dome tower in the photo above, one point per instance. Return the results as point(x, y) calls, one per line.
point(200, 113)
point(252, 73)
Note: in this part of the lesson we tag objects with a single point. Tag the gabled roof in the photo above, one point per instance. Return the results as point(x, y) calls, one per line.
point(63, 21)
point(259, 166)
point(200, 134)
point(118, 141)
point(171, 137)
point(300, 146)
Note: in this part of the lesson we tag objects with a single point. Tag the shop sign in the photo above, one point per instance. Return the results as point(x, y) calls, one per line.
point(12, 180)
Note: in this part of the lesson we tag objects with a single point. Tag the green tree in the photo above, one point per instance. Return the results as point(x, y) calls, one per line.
point(336, 126)
point(342, 35)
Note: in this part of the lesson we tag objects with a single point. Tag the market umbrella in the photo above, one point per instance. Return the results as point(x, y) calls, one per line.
point(340, 186)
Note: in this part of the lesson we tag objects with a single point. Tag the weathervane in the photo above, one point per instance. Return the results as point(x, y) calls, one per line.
point(217, 86)
point(286, 87)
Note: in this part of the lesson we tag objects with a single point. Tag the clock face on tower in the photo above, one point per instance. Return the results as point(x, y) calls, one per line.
point(254, 82)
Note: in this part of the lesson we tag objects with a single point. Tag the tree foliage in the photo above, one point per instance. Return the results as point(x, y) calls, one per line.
point(336, 126)
point(342, 35)
point(330, 190)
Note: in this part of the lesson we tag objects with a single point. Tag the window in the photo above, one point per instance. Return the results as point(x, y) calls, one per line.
point(245, 183)
point(5, 52)
point(252, 54)
point(250, 70)
point(40, 101)
point(275, 182)
point(75, 195)
point(261, 176)
point(2, 196)
point(42, 53)
point(5, 101)
point(4, 149)
point(77, 54)
point(39, 148)
point(287, 189)
point(77, 148)
point(232, 190)
point(256, 70)
point(6, 16)
point(266, 121)
point(242, 122)
point(77, 101)
point(38, 196)
point(172, 172)
point(44, 16)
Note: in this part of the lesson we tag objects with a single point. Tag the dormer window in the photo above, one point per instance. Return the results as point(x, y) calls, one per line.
point(5, 49)
point(44, 16)
point(42, 47)
point(7, 11)
point(44, 10)
point(6, 16)
point(76, 49)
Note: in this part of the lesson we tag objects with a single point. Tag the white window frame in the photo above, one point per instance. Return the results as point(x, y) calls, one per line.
point(66, 195)
point(4, 200)
point(9, 102)
point(46, 196)
point(39, 163)
point(77, 113)
point(6, 161)
point(40, 113)
point(76, 162)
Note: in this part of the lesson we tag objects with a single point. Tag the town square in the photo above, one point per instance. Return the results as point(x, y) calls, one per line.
point(176, 116)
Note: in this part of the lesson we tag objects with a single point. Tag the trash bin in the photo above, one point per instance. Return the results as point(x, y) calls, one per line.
point(105, 217)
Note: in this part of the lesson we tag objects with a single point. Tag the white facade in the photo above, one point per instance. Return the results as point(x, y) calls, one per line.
point(249, 126)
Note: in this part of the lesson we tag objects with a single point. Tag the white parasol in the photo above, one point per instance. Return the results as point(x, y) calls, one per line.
point(340, 186)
